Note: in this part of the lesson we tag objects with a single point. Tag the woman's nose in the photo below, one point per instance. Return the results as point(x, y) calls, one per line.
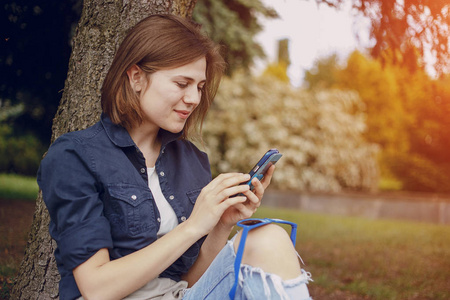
point(192, 96)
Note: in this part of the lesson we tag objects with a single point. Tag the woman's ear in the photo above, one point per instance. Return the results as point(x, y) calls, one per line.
point(135, 76)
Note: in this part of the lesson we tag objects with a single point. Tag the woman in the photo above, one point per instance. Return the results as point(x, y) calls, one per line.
point(133, 209)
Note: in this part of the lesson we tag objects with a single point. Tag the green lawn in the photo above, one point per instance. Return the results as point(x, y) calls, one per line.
point(18, 187)
point(373, 259)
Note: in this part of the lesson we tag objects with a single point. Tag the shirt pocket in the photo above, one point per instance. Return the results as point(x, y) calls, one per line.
point(193, 195)
point(130, 209)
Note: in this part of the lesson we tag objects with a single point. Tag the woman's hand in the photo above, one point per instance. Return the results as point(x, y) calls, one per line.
point(246, 209)
point(215, 199)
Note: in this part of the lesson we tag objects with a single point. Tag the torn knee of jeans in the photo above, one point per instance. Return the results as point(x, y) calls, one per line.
point(305, 277)
point(271, 283)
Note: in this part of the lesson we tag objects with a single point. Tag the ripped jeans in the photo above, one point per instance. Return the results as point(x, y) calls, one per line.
point(254, 283)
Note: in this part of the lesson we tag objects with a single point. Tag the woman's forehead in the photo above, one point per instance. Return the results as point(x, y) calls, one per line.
point(195, 70)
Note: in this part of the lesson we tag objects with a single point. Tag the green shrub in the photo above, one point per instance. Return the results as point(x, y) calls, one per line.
point(19, 154)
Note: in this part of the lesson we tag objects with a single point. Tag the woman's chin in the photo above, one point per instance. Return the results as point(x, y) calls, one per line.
point(174, 130)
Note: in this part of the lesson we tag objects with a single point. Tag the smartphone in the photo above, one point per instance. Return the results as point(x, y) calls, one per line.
point(259, 170)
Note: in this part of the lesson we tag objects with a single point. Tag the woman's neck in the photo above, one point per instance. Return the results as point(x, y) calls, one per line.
point(148, 142)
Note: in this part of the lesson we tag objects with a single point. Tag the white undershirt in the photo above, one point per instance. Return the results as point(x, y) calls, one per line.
point(168, 217)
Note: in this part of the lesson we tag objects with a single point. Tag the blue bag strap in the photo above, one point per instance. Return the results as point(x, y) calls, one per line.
point(237, 261)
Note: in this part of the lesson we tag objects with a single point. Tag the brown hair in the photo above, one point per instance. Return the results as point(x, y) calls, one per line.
point(155, 43)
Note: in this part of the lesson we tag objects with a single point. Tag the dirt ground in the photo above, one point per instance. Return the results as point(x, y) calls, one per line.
point(15, 221)
point(16, 218)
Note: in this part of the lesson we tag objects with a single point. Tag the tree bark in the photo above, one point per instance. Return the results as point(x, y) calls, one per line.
point(101, 28)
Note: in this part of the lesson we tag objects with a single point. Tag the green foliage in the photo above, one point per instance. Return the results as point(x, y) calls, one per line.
point(34, 53)
point(323, 73)
point(8, 111)
point(234, 24)
point(378, 89)
point(6, 286)
point(320, 134)
point(19, 154)
point(407, 116)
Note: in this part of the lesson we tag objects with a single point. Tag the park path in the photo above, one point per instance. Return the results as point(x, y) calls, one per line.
point(420, 207)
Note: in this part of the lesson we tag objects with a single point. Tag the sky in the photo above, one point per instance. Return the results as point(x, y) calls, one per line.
point(313, 32)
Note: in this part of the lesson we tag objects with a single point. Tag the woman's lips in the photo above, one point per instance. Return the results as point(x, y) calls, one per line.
point(183, 114)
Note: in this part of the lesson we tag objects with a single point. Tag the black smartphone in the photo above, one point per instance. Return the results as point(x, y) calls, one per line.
point(259, 170)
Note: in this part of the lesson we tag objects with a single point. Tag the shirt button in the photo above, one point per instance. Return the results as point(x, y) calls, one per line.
point(161, 173)
point(142, 170)
point(183, 218)
point(171, 197)
point(134, 197)
point(159, 220)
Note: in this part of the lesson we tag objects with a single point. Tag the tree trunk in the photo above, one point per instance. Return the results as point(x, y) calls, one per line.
point(101, 28)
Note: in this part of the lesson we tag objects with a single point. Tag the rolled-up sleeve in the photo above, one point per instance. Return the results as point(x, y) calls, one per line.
point(67, 178)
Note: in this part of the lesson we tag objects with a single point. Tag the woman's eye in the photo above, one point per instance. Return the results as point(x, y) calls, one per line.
point(182, 84)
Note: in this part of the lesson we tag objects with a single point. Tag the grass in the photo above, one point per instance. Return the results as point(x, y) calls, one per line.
point(372, 259)
point(18, 187)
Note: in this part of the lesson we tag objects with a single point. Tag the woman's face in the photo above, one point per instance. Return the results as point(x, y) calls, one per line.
point(171, 95)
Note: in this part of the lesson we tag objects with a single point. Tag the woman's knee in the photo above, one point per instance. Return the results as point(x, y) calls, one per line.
point(269, 247)
point(267, 235)
point(269, 239)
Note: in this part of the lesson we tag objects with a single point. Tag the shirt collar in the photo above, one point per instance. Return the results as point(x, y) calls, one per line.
point(120, 137)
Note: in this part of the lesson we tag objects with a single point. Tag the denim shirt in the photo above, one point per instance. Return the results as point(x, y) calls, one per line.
point(95, 185)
